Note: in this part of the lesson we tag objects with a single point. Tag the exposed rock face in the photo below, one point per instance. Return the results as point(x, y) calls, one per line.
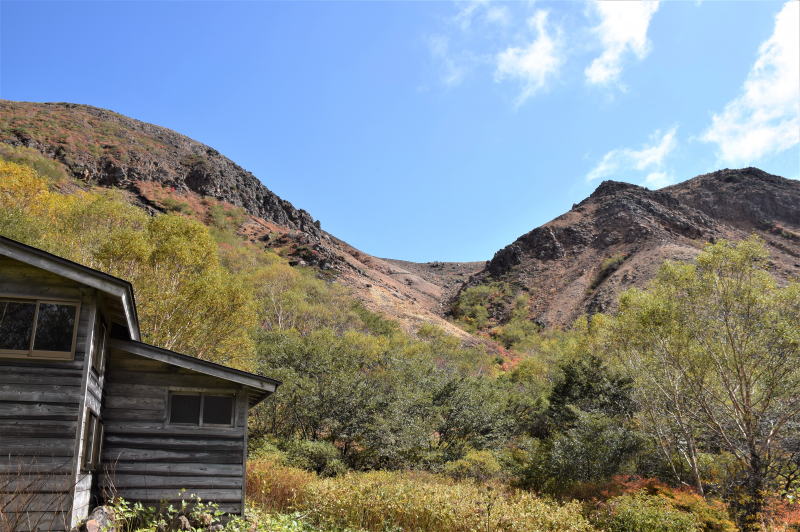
point(560, 263)
point(106, 148)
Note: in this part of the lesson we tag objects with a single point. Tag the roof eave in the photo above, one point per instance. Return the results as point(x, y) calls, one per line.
point(256, 383)
point(79, 273)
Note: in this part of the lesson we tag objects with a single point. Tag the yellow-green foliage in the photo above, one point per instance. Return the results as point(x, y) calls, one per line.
point(44, 166)
point(187, 300)
point(382, 500)
point(477, 305)
point(273, 486)
point(645, 513)
point(477, 465)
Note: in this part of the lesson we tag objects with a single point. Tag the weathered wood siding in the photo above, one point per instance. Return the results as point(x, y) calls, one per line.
point(40, 408)
point(147, 459)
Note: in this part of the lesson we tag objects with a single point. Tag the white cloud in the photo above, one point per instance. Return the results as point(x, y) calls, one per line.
point(765, 118)
point(535, 64)
point(649, 158)
point(451, 49)
point(658, 179)
point(465, 15)
point(498, 15)
point(622, 28)
point(482, 10)
point(452, 70)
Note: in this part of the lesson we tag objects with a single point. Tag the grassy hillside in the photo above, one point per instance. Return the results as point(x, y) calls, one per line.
point(378, 429)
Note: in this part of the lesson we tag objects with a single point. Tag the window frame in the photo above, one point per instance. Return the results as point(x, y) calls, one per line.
point(41, 354)
point(99, 346)
point(202, 394)
point(93, 432)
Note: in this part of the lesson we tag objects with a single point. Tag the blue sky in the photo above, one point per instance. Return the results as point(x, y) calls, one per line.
point(433, 131)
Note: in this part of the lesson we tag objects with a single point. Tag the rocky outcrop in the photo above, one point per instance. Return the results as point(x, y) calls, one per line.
point(106, 148)
point(559, 266)
point(564, 265)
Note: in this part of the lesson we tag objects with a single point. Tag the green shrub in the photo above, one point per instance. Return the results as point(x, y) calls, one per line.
point(477, 465)
point(320, 457)
point(226, 218)
point(638, 512)
point(175, 205)
point(480, 306)
point(44, 166)
point(191, 511)
point(259, 521)
point(260, 448)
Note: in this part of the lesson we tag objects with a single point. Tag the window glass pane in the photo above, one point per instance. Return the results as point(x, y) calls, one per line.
point(184, 409)
point(54, 327)
point(16, 324)
point(217, 409)
point(98, 444)
point(88, 441)
point(99, 348)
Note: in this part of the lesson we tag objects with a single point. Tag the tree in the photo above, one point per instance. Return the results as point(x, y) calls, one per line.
point(715, 349)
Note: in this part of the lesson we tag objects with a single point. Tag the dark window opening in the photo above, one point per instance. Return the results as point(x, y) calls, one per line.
point(217, 409)
point(201, 409)
point(54, 327)
point(38, 328)
point(184, 409)
point(16, 325)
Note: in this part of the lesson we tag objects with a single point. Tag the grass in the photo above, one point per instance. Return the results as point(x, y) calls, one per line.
point(383, 500)
point(50, 169)
point(607, 267)
point(175, 205)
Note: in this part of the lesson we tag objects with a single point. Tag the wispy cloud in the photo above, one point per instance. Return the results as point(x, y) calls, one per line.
point(535, 64)
point(622, 30)
point(451, 49)
point(482, 10)
point(765, 118)
point(452, 70)
point(649, 159)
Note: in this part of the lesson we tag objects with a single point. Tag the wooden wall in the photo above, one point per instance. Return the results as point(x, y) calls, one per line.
point(41, 403)
point(146, 459)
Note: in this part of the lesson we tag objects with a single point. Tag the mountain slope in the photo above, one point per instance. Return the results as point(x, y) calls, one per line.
point(110, 149)
point(616, 238)
point(163, 169)
point(574, 264)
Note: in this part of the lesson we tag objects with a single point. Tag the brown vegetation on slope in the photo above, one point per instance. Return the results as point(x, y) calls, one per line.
point(577, 263)
point(618, 237)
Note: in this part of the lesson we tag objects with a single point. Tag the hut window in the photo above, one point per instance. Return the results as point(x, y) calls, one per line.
point(200, 409)
point(217, 409)
point(99, 347)
point(92, 442)
point(39, 329)
point(184, 409)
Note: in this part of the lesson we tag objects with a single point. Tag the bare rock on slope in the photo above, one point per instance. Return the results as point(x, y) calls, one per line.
point(109, 149)
point(618, 237)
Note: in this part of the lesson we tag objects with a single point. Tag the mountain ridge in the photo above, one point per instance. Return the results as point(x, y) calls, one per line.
point(556, 265)
point(560, 262)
